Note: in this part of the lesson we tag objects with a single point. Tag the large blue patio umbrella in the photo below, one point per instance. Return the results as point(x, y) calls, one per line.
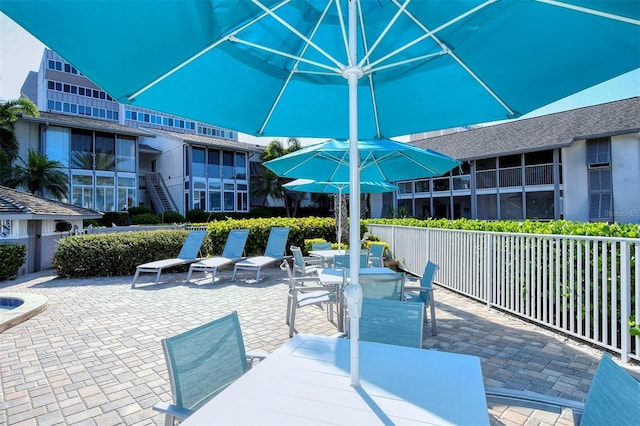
point(308, 185)
point(340, 68)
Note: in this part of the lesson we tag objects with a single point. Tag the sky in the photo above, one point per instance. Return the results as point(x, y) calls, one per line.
point(20, 53)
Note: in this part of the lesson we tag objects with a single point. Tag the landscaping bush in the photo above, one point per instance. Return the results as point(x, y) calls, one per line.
point(134, 211)
point(92, 222)
point(117, 218)
point(172, 217)
point(197, 216)
point(12, 257)
point(145, 219)
point(114, 254)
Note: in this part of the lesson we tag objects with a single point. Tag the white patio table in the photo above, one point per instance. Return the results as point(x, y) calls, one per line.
point(334, 278)
point(307, 381)
point(327, 255)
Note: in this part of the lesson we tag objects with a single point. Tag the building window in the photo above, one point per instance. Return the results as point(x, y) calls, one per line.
point(600, 179)
point(5, 228)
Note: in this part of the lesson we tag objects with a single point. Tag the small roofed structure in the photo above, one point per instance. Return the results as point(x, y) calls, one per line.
point(38, 223)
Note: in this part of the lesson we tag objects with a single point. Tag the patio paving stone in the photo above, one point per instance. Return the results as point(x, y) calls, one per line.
point(94, 356)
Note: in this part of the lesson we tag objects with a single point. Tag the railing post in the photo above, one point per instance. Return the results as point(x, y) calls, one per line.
point(488, 267)
point(625, 307)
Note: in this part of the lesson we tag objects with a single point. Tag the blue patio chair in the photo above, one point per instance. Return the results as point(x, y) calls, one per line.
point(424, 292)
point(300, 296)
point(232, 252)
point(343, 260)
point(188, 254)
point(274, 252)
point(376, 252)
point(202, 362)
point(612, 399)
point(393, 322)
point(382, 286)
point(305, 265)
point(321, 246)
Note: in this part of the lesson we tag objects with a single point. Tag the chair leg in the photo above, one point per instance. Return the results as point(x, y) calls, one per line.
point(432, 307)
point(292, 319)
point(135, 278)
point(233, 277)
point(288, 318)
point(188, 275)
point(158, 276)
point(213, 275)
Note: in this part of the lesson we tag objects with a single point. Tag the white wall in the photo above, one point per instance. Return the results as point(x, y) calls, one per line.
point(625, 168)
point(576, 185)
point(170, 165)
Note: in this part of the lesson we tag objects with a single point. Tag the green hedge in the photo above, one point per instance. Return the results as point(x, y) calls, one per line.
point(12, 257)
point(554, 227)
point(119, 253)
point(114, 253)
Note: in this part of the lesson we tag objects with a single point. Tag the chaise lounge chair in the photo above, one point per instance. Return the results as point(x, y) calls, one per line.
point(274, 252)
point(188, 254)
point(232, 252)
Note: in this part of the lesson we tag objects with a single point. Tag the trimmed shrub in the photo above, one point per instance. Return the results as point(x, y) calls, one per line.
point(145, 219)
point(134, 211)
point(197, 216)
point(114, 254)
point(12, 257)
point(172, 217)
point(109, 218)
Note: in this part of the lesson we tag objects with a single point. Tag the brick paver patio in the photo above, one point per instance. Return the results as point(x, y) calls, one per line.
point(94, 356)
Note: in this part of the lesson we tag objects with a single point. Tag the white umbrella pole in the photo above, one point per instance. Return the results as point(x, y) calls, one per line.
point(339, 217)
point(354, 292)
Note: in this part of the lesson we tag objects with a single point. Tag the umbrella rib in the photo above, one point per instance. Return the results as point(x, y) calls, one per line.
point(374, 103)
point(299, 34)
point(591, 11)
point(200, 53)
point(343, 29)
point(294, 69)
point(429, 33)
point(407, 61)
point(445, 49)
point(384, 33)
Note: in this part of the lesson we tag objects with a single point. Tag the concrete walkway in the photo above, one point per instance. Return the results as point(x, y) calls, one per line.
point(94, 356)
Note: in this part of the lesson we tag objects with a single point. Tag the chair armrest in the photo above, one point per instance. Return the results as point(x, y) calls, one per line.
point(172, 410)
point(534, 400)
point(416, 288)
point(254, 356)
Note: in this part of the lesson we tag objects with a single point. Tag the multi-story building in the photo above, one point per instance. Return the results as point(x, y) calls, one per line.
point(581, 165)
point(119, 156)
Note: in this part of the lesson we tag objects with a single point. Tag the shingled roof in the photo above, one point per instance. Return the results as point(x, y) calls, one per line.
point(208, 140)
point(539, 133)
point(21, 205)
point(80, 122)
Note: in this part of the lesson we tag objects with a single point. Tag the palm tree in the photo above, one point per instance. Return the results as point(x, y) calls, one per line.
point(40, 175)
point(269, 184)
point(9, 111)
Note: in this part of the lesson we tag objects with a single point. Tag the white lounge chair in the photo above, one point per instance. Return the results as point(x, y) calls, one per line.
point(188, 254)
point(274, 252)
point(232, 252)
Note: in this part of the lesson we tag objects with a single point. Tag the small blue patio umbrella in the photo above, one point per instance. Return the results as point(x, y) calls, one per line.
point(307, 185)
point(340, 68)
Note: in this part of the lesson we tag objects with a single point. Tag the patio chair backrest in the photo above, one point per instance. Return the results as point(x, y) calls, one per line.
point(392, 322)
point(234, 247)
point(382, 286)
point(426, 281)
point(298, 258)
point(321, 246)
point(343, 260)
point(375, 255)
point(192, 245)
point(277, 243)
point(613, 397)
point(204, 361)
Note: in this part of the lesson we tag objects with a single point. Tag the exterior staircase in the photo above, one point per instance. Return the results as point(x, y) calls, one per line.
point(159, 194)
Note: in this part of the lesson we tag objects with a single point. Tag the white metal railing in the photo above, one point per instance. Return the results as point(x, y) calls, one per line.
point(586, 287)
